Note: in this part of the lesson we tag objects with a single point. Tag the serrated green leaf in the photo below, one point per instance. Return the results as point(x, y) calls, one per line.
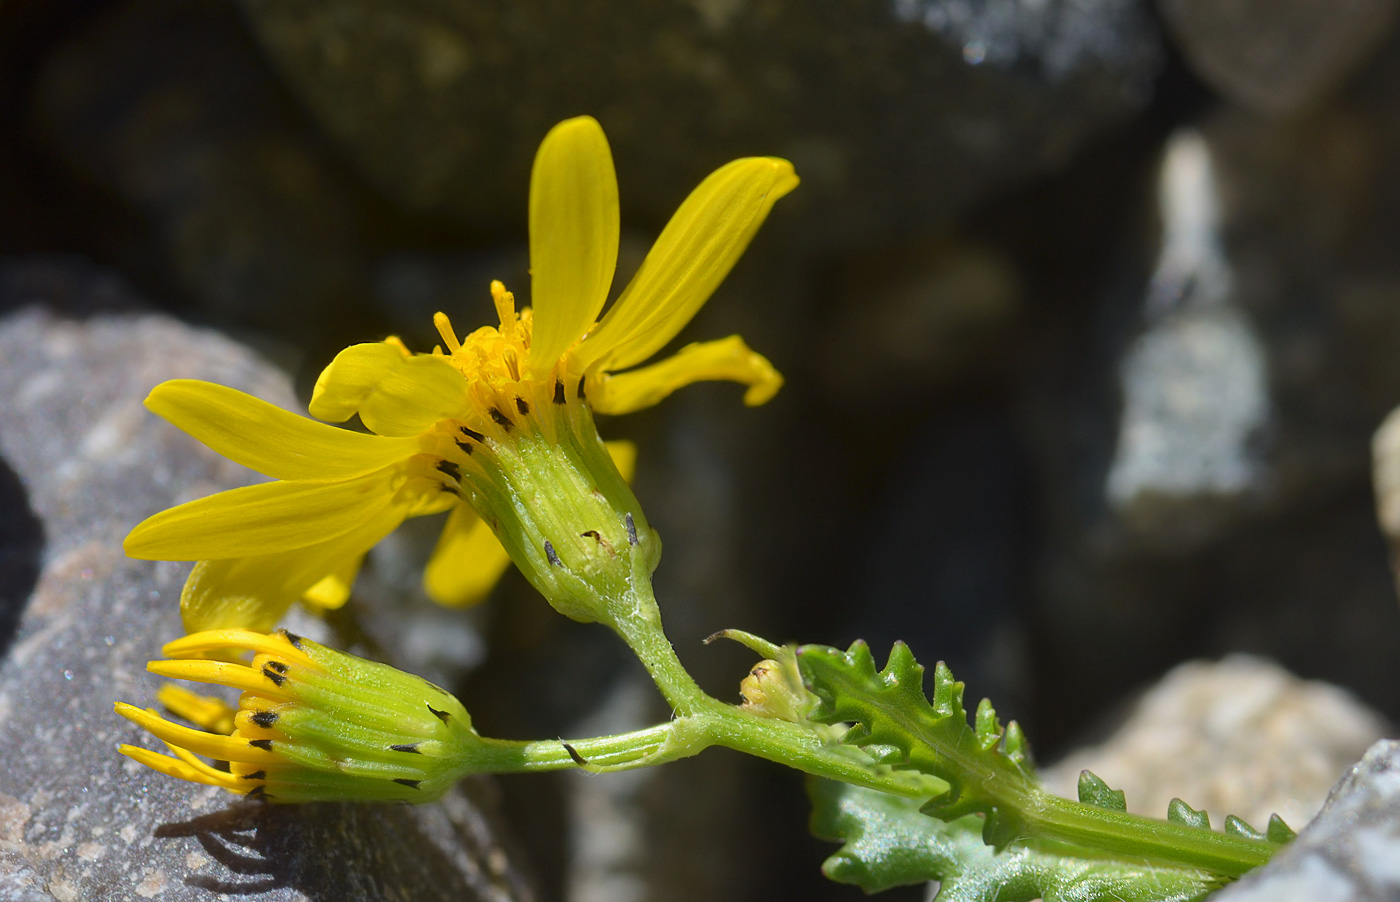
point(1094, 791)
point(1278, 831)
point(1017, 747)
point(888, 843)
point(1239, 827)
point(897, 724)
point(889, 709)
point(1181, 813)
point(987, 725)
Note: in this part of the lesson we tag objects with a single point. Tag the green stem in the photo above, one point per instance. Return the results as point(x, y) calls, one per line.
point(637, 619)
point(1049, 817)
point(1163, 842)
point(718, 724)
point(620, 751)
point(703, 721)
point(804, 749)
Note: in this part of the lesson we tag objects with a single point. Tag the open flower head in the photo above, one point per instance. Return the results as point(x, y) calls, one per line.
point(312, 724)
point(494, 426)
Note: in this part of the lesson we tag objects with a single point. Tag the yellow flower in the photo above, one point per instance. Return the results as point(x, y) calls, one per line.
point(500, 419)
point(312, 723)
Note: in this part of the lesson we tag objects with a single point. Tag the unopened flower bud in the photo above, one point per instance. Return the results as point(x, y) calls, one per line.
point(312, 724)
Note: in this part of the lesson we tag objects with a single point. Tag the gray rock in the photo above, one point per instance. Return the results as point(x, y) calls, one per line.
point(1194, 385)
point(78, 821)
point(895, 114)
point(1265, 355)
point(1349, 853)
point(1240, 736)
point(1385, 464)
point(1275, 57)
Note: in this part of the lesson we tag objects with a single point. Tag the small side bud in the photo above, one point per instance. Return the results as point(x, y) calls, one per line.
point(774, 689)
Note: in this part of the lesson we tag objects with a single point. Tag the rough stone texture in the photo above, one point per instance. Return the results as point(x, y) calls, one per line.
point(1275, 56)
point(1349, 853)
point(896, 114)
point(1241, 736)
point(85, 462)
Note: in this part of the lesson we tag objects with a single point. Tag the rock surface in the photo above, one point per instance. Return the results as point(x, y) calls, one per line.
point(84, 461)
point(1349, 853)
point(895, 114)
point(1275, 56)
point(1241, 736)
point(1211, 472)
point(1385, 475)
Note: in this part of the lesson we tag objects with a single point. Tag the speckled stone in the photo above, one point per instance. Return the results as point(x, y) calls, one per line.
point(896, 114)
point(83, 462)
point(1349, 853)
point(1241, 736)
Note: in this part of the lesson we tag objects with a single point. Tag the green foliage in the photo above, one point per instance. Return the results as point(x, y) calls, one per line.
point(1074, 850)
point(888, 843)
point(898, 725)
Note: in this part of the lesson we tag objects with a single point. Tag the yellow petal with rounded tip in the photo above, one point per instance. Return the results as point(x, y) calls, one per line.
point(395, 394)
point(196, 645)
point(573, 236)
point(624, 457)
point(218, 673)
point(174, 767)
point(333, 590)
point(696, 250)
point(467, 562)
point(254, 592)
point(261, 519)
point(727, 359)
point(222, 748)
point(266, 438)
point(212, 714)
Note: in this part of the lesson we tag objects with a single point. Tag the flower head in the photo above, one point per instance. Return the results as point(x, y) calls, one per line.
point(495, 426)
point(312, 723)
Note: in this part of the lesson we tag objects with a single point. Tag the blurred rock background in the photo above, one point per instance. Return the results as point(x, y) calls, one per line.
point(1088, 312)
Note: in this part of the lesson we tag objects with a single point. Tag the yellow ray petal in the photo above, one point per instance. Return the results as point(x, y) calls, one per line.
point(394, 394)
point(696, 250)
point(222, 748)
point(254, 592)
point(261, 519)
point(624, 457)
point(211, 713)
point(727, 359)
point(197, 645)
point(467, 562)
point(266, 438)
point(173, 767)
point(333, 589)
point(218, 673)
point(573, 236)
point(215, 776)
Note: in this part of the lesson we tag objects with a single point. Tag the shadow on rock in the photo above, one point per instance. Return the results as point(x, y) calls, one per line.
point(21, 545)
point(324, 851)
